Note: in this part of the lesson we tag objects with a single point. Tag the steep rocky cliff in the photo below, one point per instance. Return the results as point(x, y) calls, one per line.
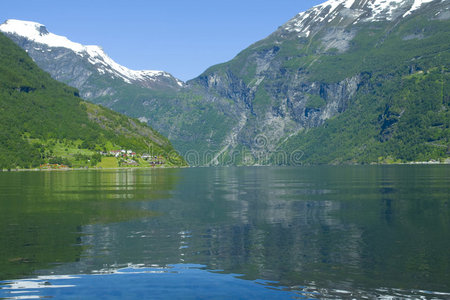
point(318, 65)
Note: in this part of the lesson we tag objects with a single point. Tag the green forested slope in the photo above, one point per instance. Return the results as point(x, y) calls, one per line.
point(44, 121)
point(407, 119)
point(381, 96)
point(400, 112)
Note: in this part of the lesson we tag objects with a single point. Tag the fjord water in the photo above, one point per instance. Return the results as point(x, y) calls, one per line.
point(250, 233)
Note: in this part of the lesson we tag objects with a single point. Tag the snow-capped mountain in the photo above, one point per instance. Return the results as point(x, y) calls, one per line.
point(348, 12)
point(64, 58)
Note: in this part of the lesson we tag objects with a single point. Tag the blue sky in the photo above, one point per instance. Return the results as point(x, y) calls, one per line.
point(181, 37)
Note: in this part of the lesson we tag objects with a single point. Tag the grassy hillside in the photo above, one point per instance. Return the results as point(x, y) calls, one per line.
point(192, 124)
point(44, 121)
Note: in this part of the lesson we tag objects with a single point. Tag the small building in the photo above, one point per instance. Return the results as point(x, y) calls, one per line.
point(115, 153)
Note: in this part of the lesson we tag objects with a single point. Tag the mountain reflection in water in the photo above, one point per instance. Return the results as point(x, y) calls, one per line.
point(338, 232)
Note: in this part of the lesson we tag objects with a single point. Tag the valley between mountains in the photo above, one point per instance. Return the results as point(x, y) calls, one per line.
point(347, 81)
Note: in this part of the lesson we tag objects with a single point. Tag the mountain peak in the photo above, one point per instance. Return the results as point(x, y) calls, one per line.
point(38, 33)
point(24, 28)
point(346, 12)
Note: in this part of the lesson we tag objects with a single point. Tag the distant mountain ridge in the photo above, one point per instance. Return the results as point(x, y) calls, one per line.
point(75, 63)
point(338, 83)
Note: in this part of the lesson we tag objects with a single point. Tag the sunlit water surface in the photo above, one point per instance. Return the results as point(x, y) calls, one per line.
point(227, 233)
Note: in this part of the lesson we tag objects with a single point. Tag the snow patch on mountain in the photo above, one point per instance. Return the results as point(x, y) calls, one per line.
point(383, 9)
point(326, 11)
point(38, 33)
point(416, 5)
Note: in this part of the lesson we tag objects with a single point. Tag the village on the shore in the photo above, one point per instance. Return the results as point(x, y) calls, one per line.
point(128, 157)
point(121, 158)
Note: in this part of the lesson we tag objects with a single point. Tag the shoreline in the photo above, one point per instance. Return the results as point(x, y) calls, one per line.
point(446, 162)
point(88, 169)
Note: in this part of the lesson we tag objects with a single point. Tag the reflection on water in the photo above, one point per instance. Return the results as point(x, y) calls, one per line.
point(42, 214)
point(338, 232)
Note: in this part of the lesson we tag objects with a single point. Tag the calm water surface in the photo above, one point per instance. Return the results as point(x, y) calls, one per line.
point(222, 233)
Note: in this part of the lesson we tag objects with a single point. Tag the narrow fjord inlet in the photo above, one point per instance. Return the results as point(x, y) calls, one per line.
point(310, 232)
point(312, 165)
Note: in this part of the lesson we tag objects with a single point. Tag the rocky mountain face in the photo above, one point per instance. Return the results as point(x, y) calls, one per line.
point(337, 83)
point(87, 68)
point(309, 72)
